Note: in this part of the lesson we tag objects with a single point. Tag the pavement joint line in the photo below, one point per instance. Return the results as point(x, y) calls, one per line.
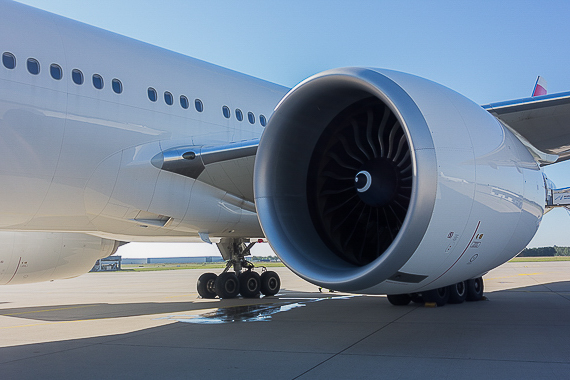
point(358, 341)
point(461, 358)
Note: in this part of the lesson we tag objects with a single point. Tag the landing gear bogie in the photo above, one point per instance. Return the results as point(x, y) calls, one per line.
point(469, 290)
point(243, 280)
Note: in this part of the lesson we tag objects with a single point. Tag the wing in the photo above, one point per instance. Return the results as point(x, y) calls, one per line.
point(544, 121)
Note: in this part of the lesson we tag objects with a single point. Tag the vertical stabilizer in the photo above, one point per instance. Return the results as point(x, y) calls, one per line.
point(539, 87)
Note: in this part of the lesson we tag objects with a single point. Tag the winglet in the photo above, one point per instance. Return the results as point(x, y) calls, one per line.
point(539, 87)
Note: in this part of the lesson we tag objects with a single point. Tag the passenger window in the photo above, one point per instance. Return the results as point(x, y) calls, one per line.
point(55, 71)
point(9, 60)
point(226, 112)
point(184, 102)
point(152, 95)
point(262, 120)
point(77, 76)
point(98, 81)
point(251, 117)
point(199, 105)
point(33, 66)
point(168, 98)
point(239, 115)
point(117, 86)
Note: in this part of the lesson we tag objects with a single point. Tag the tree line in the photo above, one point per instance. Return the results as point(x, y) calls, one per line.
point(545, 251)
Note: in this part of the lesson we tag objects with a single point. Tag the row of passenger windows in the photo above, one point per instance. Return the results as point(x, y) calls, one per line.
point(56, 72)
point(185, 103)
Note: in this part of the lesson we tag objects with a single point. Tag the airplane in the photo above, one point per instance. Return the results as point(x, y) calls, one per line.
point(362, 180)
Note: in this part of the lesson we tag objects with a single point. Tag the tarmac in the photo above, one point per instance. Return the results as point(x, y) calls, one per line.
point(149, 325)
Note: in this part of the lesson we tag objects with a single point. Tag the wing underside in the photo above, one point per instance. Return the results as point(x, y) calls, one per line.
point(544, 121)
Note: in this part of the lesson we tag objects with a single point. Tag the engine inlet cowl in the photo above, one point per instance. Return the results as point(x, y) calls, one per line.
point(345, 178)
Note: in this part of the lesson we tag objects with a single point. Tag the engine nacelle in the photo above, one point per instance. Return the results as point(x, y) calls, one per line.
point(27, 257)
point(375, 181)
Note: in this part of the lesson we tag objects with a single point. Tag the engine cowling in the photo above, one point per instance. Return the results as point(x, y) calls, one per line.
point(376, 181)
point(27, 257)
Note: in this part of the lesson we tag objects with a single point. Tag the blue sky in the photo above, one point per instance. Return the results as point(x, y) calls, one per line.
point(487, 50)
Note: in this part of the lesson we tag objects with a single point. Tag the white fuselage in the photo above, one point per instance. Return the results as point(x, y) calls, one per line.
point(65, 144)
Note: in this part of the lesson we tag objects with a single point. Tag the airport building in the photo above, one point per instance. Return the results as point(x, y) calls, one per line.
point(173, 260)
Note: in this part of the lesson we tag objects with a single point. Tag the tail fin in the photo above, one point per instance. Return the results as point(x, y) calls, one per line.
point(539, 87)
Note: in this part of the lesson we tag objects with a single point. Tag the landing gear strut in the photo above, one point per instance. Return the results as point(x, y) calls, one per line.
point(243, 280)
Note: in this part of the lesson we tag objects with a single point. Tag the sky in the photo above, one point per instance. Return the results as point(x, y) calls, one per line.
point(486, 50)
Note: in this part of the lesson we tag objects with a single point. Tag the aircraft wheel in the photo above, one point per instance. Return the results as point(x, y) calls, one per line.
point(457, 292)
point(206, 285)
point(399, 299)
point(227, 285)
point(439, 296)
point(270, 283)
point(475, 289)
point(249, 284)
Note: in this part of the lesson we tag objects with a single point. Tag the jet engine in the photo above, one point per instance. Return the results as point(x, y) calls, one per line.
point(376, 181)
point(27, 257)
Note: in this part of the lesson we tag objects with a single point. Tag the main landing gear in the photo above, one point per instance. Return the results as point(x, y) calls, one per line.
point(243, 280)
point(470, 290)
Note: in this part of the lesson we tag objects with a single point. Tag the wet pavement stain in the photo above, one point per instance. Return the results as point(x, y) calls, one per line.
point(248, 313)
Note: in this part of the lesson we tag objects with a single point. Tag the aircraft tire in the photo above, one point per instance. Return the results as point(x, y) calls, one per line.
point(399, 299)
point(206, 285)
point(457, 292)
point(475, 289)
point(270, 283)
point(439, 296)
point(249, 284)
point(227, 285)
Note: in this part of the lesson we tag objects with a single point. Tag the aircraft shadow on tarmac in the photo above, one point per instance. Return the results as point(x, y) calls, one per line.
point(249, 307)
point(232, 310)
